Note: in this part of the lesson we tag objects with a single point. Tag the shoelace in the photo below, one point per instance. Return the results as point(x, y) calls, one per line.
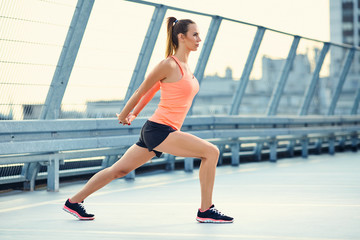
point(81, 205)
point(217, 211)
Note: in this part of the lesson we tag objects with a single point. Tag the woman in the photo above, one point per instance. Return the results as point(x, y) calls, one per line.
point(161, 133)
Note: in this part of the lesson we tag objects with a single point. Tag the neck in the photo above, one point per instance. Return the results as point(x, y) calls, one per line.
point(182, 54)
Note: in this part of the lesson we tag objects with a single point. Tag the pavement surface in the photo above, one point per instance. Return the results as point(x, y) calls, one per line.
point(294, 199)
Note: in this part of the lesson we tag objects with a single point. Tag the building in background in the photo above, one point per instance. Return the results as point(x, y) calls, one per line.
point(344, 29)
point(345, 21)
point(260, 90)
point(216, 92)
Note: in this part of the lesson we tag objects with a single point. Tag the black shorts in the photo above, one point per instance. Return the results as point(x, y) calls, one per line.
point(152, 134)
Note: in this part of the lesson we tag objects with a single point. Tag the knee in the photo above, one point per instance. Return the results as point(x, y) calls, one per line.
point(212, 152)
point(118, 173)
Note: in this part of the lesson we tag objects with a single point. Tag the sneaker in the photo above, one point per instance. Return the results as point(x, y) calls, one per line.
point(212, 215)
point(78, 210)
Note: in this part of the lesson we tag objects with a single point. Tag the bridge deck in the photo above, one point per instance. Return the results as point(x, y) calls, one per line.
point(301, 199)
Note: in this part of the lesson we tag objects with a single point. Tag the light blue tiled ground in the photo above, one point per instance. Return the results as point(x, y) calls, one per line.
point(294, 199)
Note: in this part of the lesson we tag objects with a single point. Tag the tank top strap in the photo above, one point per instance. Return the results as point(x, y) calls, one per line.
point(178, 63)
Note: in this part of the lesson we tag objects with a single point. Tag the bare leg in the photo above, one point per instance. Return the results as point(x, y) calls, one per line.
point(134, 157)
point(186, 145)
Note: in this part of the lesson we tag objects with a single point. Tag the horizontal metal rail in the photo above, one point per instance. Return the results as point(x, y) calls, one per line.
point(51, 142)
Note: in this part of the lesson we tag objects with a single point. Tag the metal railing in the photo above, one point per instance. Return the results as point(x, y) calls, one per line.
point(51, 142)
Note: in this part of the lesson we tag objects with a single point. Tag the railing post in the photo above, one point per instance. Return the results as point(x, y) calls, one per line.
point(305, 146)
point(290, 148)
point(354, 141)
point(109, 161)
point(342, 79)
point(130, 175)
point(30, 172)
point(170, 162)
point(318, 146)
point(235, 154)
point(189, 164)
point(113, 159)
point(205, 51)
point(342, 143)
point(221, 152)
point(52, 105)
point(356, 102)
point(332, 144)
point(273, 146)
point(53, 174)
point(105, 162)
point(241, 87)
point(280, 85)
point(146, 50)
point(312, 86)
point(258, 151)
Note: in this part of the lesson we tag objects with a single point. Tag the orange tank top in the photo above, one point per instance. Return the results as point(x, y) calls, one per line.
point(175, 100)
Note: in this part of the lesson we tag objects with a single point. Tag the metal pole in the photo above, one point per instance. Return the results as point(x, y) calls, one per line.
point(311, 88)
point(240, 90)
point(146, 50)
point(273, 148)
point(51, 108)
point(235, 154)
point(280, 85)
point(53, 174)
point(206, 50)
point(342, 79)
point(356, 103)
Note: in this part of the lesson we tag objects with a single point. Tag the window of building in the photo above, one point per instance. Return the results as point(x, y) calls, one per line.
point(347, 15)
point(348, 26)
point(349, 40)
point(348, 33)
point(347, 5)
point(348, 12)
point(348, 18)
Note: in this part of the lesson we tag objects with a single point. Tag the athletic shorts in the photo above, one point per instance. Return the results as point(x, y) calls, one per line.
point(152, 134)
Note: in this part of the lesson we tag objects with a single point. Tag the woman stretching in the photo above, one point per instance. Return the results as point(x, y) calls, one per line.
point(161, 133)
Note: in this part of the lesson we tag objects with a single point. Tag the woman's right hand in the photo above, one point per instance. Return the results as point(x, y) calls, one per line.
point(126, 120)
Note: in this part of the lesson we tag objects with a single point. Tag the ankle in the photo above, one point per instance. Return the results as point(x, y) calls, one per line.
point(204, 209)
point(74, 200)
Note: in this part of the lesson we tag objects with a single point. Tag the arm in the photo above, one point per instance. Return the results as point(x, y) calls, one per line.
point(146, 99)
point(148, 87)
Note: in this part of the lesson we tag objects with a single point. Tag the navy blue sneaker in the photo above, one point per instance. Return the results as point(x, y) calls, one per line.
point(78, 210)
point(212, 215)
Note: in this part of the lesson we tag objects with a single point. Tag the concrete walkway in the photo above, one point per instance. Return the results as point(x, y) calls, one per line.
point(294, 199)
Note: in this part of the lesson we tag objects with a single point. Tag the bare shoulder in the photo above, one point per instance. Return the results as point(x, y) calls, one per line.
point(161, 71)
point(164, 68)
point(167, 64)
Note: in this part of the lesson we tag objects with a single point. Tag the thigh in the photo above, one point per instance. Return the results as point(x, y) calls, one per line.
point(184, 144)
point(133, 158)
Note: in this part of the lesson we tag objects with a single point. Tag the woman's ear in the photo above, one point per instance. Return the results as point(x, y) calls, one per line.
point(181, 37)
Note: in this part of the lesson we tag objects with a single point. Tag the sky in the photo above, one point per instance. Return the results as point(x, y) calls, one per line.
point(115, 33)
point(309, 18)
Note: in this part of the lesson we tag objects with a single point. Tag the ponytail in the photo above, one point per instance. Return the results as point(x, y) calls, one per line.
point(171, 41)
point(174, 27)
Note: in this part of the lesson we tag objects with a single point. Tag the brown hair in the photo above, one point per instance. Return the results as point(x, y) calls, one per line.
point(174, 27)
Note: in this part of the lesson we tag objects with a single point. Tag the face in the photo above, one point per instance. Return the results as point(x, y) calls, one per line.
point(192, 38)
